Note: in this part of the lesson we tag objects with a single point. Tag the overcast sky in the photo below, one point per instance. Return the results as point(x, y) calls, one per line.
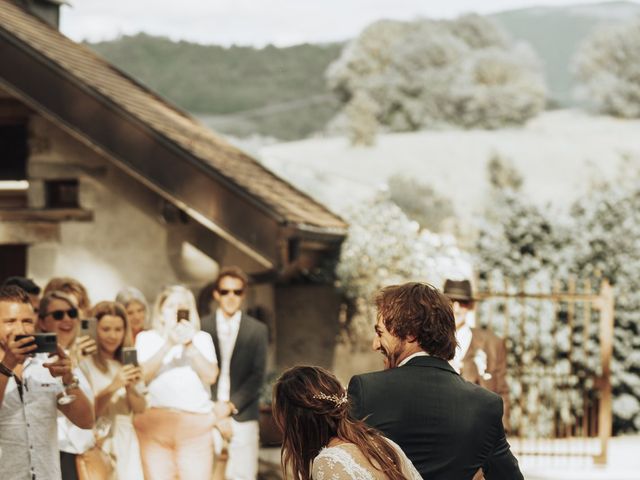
point(260, 22)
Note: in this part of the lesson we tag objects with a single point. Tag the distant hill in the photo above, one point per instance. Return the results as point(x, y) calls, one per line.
point(555, 33)
point(281, 92)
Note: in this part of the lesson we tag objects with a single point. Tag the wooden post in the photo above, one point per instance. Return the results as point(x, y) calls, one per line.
point(605, 415)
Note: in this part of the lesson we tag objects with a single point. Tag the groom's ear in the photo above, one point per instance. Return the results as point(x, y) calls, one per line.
point(411, 339)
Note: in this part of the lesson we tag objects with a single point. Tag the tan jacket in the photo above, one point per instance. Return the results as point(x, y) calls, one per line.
point(494, 377)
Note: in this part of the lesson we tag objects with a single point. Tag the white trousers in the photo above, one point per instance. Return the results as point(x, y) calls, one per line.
point(243, 451)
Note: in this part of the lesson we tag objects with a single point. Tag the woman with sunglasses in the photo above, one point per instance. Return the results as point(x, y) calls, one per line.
point(179, 365)
point(116, 389)
point(59, 314)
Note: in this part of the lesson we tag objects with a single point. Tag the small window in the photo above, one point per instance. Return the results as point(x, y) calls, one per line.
point(13, 152)
point(62, 193)
point(13, 261)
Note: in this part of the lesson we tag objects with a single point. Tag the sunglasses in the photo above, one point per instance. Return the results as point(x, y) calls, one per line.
point(59, 314)
point(223, 292)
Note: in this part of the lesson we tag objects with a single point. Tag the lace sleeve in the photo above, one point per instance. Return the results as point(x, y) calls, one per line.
point(329, 468)
point(336, 464)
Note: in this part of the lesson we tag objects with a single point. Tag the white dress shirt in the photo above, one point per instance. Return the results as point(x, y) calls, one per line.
point(413, 355)
point(227, 329)
point(463, 336)
point(28, 430)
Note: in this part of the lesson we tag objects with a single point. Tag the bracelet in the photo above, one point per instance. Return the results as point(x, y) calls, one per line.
point(6, 371)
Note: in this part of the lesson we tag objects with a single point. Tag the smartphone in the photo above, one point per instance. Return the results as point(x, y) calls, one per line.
point(129, 356)
point(89, 326)
point(45, 342)
point(182, 314)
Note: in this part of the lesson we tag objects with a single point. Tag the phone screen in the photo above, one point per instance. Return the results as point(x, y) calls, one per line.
point(129, 356)
point(89, 326)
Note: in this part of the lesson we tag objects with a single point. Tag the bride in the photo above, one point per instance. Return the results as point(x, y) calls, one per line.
point(321, 439)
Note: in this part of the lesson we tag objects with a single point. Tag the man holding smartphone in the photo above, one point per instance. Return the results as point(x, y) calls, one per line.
point(29, 393)
point(241, 347)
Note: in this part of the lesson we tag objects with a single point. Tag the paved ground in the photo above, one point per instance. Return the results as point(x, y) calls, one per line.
point(623, 464)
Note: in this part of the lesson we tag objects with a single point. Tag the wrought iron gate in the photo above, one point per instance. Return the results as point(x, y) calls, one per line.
point(559, 345)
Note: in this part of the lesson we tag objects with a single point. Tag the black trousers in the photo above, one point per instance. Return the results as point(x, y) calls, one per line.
point(68, 466)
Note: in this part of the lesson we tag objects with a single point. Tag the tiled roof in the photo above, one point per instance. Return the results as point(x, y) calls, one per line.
point(236, 166)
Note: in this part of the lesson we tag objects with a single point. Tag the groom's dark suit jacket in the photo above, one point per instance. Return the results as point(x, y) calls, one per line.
point(448, 427)
point(248, 364)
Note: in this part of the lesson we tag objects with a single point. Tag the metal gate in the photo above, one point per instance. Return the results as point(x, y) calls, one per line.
point(559, 345)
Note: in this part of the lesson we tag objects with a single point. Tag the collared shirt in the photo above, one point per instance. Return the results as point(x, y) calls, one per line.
point(413, 355)
point(28, 432)
point(463, 336)
point(227, 329)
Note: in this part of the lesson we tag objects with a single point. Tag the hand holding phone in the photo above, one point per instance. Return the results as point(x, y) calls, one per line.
point(17, 349)
point(44, 342)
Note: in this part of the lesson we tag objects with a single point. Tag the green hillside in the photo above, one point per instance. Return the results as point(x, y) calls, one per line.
point(555, 33)
point(281, 92)
point(273, 91)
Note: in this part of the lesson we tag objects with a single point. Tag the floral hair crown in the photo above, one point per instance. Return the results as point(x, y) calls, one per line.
point(337, 401)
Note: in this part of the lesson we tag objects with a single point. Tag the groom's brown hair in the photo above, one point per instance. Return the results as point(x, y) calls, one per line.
point(419, 310)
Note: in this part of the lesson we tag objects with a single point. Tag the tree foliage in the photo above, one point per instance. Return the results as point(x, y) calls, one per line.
point(521, 242)
point(429, 73)
point(607, 67)
point(420, 202)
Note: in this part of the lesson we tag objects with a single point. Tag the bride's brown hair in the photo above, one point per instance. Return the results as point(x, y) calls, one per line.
point(310, 407)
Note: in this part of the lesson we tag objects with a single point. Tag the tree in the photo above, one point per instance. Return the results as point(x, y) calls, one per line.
point(608, 219)
point(385, 247)
point(427, 74)
point(607, 67)
point(420, 202)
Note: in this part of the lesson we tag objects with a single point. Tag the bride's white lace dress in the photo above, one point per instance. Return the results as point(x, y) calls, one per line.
point(346, 462)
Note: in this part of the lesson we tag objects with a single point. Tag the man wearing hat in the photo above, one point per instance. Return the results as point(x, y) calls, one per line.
point(481, 356)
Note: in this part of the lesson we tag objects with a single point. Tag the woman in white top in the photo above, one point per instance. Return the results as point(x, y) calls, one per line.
point(116, 389)
point(179, 365)
point(320, 438)
point(59, 313)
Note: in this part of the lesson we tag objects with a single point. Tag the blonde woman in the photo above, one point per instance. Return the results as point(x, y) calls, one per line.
point(115, 386)
point(179, 365)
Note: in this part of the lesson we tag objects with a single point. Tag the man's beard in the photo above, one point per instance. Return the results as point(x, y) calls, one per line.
point(392, 359)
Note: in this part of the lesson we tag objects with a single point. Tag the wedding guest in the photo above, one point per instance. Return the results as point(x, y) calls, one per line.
point(448, 427)
point(320, 437)
point(137, 309)
point(481, 356)
point(29, 394)
point(29, 286)
point(241, 348)
point(58, 313)
point(116, 388)
point(72, 287)
point(179, 365)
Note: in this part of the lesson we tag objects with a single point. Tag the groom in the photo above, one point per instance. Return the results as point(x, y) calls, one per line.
point(448, 427)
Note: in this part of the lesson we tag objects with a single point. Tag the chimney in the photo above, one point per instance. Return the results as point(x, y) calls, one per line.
point(46, 10)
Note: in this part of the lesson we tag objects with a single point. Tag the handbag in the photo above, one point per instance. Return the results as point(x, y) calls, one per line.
point(94, 464)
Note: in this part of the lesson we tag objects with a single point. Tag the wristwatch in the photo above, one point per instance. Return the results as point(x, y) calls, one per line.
point(75, 383)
